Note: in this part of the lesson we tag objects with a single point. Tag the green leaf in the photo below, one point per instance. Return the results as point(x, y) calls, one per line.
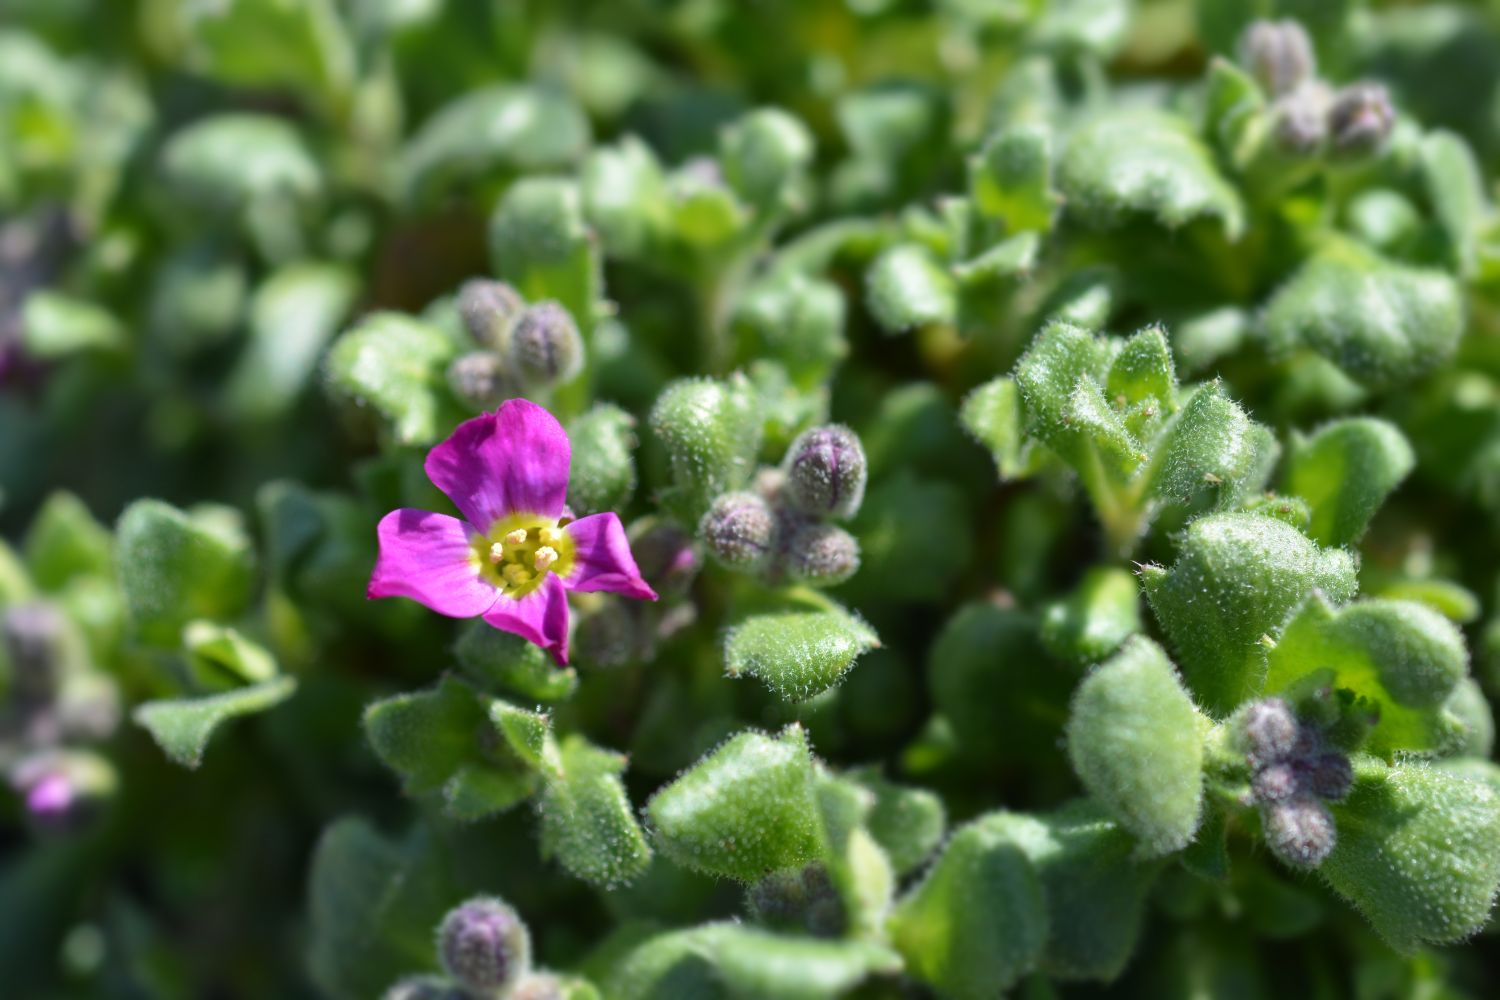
point(525, 732)
point(1402, 657)
point(524, 129)
point(499, 660)
point(1234, 104)
point(1061, 378)
point(798, 655)
point(798, 321)
point(764, 156)
point(1136, 741)
point(705, 214)
point(1210, 442)
point(745, 810)
point(907, 287)
point(1417, 853)
point(1006, 260)
point(271, 44)
point(899, 564)
point(479, 791)
point(372, 907)
point(182, 727)
point(1142, 372)
point(293, 315)
point(220, 657)
point(625, 197)
point(540, 243)
point(908, 823)
point(176, 566)
point(427, 735)
point(54, 326)
point(977, 922)
point(1236, 580)
point(712, 430)
point(587, 821)
point(1345, 471)
point(64, 542)
point(1010, 178)
point(732, 960)
point(227, 162)
point(397, 366)
point(603, 470)
point(992, 413)
point(1455, 187)
point(1380, 322)
point(1095, 889)
point(1092, 621)
point(1148, 164)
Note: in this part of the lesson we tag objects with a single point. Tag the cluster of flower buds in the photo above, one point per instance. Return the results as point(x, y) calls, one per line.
point(803, 899)
point(55, 705)
point(518, 345)
point(781, 528)
point(485, 950)
point(1307, 114)
point(1294, 773)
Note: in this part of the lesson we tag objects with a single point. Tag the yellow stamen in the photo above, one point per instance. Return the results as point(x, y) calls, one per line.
point(545, 557)
point(497, 552)
point(550, 536)
point(516, 575)
point(516, 537)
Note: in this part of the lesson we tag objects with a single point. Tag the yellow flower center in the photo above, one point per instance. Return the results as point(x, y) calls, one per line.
point(518, 552)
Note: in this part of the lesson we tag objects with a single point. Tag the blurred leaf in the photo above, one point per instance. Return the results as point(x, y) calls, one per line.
point(182, 727)
point(603, 471)
point(712, 432)
point(293, 315)
point(397, 365)
point(54, 326)
point(906, 287)
point(1010, 178)
point(495, 659)
point(1344, 471)
point(540, 243)
point(229, 161)
point(176, 566)
point(65, 542)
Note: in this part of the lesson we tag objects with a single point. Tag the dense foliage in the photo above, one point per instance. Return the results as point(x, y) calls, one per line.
point(1058, 441)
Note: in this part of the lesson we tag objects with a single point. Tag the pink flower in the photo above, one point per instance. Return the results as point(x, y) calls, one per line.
point(517, 553)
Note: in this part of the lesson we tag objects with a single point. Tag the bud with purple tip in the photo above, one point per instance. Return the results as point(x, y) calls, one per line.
point(822, 555)
point(826, 472)
point(1300, 831)
point(544, 347)
point(1269, 730)
point(484, 946)
point(489, 309)
point(1360, 119)
point(740, 530)
point(1278, 54)
point(478, 379)
point(1299, 119)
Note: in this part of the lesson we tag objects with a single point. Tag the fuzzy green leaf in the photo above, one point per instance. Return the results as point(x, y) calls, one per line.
point(907, 287)
point(625, 197)
point(540, 243)
point(294, 314)
point(1092, 621)
point(182, 727)
point(65, 542)
point(588, 823)
point(907, 823)
point(1135, 740)
point(175, 566)
point(1455, 186)
point(712, 430)
point(745, 810)
point(992, 413)
point(1236, 580)
point(1345, 471)
point(1010, 178)
point(497, 660)
point(798, 655)
point(227, 162)
point(397, 366)
point(603, 471)
point(1211, 442)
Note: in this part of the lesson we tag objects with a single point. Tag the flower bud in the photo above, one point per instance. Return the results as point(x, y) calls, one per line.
point(1327, 775)
point(1300, 831)
point(826, 471)
point(489, 309)
point(478, 379)
point(1269, 730)
point(608, 636)
point(31, 634)
point(1299, 119)
point(666, 556)
point(1278, 54)
point(1274, 783)
point(805, 899)
point(484, 946)
point(740, 530)
point(1360, 119)
point(545, 347)
point(821, 555)
point(424, 988)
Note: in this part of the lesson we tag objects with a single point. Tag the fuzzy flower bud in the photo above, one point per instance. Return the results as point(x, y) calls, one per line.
point(666, 557)
point(609, 635)
point(1299, 119)
point(424, 988)
point(489, 309)
point(826, 472)
point(1327, 775)
point(478, 379)
point(484, 946)
point(1274, 783)
point(1360, 119)
point(805, 899)
point(1278, 54)
point(545, 347)
point(1269, 730)
point(31, 633)
point(740, 530)
point(1300, 831)
point(821, 555)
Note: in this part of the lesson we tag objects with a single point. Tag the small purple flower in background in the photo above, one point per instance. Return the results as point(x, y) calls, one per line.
point(516, 554)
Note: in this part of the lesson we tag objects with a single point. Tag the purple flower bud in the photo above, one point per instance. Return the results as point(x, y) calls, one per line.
point(1360, 119)
point(1327, 775)
point(821, 555)
point(804, 899)
point(826, 471)
point(489, 309)
point(740, 530)
point(51, 799)
point(478, 380)
point(31, 634)
point(1300, 831)
point(1274, 783)
point(1278, 54)
point(425, 988)
point(1269, 730)
point(666, 557)
point(609, 635)
point(545, 347)
point(1299, 119)
point(484, 946)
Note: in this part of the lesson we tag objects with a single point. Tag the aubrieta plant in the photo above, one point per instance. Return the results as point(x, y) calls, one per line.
point(676, 499)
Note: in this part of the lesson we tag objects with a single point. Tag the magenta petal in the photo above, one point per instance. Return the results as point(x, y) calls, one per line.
point(427, 557)
point(540, 617)
point(514, 460)
point(602, 559)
